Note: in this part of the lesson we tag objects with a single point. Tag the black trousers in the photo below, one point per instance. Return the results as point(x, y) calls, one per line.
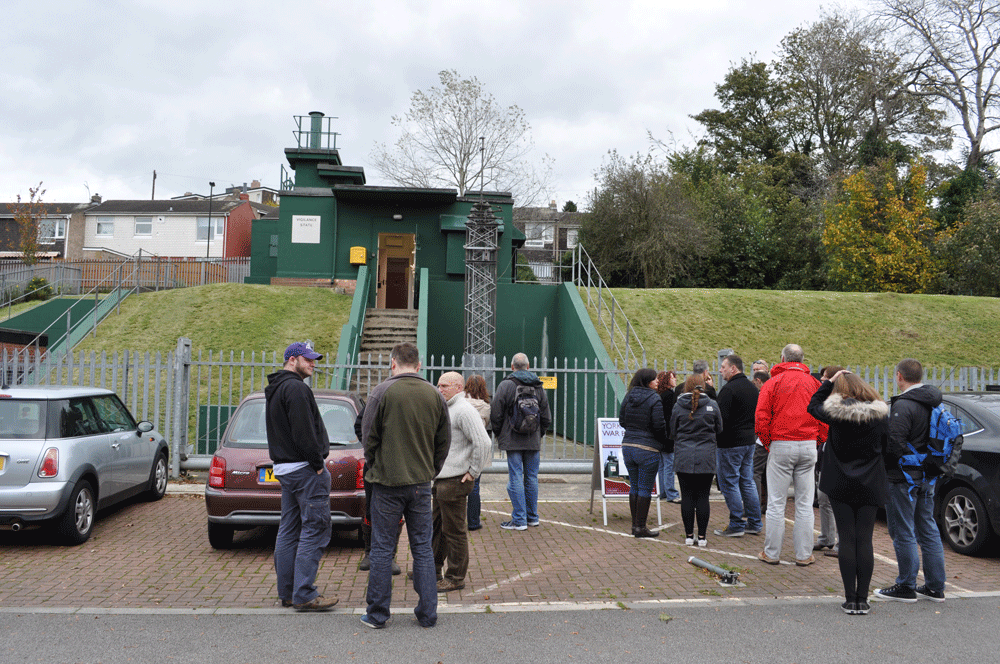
point(694, 500)
point(855, 525)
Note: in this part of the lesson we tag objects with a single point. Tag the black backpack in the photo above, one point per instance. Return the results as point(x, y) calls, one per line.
point(526, 415)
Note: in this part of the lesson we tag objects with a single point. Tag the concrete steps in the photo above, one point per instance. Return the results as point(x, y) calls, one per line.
point(384, 328)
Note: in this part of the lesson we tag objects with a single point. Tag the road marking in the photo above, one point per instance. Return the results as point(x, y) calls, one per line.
point(516, 577)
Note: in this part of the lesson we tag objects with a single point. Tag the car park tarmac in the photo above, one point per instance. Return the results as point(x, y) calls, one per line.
point(156, 556)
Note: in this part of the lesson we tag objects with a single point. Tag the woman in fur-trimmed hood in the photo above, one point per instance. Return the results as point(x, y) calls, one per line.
point(853, 474)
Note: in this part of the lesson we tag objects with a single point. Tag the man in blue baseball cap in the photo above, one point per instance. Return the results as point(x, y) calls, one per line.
point(298, 445)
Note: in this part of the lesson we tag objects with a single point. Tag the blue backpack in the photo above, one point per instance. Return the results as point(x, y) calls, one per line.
point(944, 447)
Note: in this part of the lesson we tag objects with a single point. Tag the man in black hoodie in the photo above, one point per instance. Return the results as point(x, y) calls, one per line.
point(298, 445)
point(910, 508)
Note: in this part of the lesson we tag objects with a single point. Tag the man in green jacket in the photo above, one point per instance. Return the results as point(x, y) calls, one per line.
point(406, 433)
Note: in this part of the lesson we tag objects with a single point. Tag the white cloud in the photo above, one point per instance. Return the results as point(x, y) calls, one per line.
point(108, 92)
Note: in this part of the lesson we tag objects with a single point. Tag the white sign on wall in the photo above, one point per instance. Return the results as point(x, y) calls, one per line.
point(305, 228)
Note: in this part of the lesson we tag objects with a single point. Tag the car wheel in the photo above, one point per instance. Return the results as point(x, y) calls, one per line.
point(76, 523)
point(157, 479)
point(965, 524)
point(219, 536)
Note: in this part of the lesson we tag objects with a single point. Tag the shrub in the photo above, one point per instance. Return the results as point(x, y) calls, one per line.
point(38, 289)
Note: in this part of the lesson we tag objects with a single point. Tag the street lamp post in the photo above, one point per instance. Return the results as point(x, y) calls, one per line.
point(208, 231)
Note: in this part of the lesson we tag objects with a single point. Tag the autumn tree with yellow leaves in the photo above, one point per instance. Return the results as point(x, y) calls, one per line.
point(878, 231)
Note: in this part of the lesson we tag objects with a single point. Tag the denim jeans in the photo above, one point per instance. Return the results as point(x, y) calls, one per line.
point(827, 522)
point(474, 508)
point(735, 473)
point(522, 486)
point(451, 534)
point(389, 503)
point(914, 533)
point(641, 466)
point(667, 489)
point(303, 533)
point(790, 462)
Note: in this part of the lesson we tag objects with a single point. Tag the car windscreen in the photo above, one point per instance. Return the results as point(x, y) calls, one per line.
point(22, 418)
point(249, 428)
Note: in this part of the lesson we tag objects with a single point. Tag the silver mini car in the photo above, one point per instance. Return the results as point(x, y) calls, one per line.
point(66, 452)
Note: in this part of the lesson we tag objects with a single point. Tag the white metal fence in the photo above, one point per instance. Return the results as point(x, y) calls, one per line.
point(190, 398)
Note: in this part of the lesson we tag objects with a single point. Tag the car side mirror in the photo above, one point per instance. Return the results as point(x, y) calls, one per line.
point(144, 427)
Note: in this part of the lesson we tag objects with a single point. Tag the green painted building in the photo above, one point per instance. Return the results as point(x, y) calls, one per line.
point(403, 248)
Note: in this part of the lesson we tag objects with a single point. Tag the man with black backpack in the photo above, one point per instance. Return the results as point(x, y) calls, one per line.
point(910, 508)
point(519, 415)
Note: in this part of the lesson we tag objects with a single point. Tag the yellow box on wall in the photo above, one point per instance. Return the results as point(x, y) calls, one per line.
point(359, 255)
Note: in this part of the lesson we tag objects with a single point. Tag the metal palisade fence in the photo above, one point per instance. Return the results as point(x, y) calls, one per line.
point(190, 397)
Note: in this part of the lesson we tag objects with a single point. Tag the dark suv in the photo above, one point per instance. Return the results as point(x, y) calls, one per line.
point(243, 493)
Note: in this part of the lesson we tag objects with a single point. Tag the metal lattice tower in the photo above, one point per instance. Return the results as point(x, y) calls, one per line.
point(480, 286)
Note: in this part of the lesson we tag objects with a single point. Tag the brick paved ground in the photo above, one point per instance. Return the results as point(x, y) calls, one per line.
point(157, 555)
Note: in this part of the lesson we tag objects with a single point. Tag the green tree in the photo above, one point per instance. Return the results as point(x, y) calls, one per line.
point(569, 206)
point(879, 231)
point(642, 228)
point(751, 125)
point(440, 143)
point(970, 251)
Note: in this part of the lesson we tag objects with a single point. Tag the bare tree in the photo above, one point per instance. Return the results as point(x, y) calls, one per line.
point(439, 145)
point(953, 47)
point(28, 215)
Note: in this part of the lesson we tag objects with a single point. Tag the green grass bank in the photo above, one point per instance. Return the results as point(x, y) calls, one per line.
point(842, 328)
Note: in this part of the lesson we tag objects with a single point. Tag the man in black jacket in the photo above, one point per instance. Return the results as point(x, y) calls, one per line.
point(910, 508)
point(298, 445)
point(738, 403)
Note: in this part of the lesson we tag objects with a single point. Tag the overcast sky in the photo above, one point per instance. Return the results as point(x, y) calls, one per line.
point(99, 95)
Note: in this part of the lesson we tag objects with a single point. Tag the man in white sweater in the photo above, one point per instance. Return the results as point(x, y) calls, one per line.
point(469, 452)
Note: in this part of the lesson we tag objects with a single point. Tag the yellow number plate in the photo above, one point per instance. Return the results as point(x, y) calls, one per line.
point(2, 462)
point(266, 475)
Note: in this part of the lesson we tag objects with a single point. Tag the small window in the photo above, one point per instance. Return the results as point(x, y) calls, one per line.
point(77, 418)
point(22, 419)
point(52, 229)
point(113, 414)
point(105, 226)
point(202, 233)
point(143, 225)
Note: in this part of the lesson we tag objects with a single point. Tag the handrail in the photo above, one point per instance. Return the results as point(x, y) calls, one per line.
point(423, 316)
point(122, 294)
point(350, 333)
point(624, 341)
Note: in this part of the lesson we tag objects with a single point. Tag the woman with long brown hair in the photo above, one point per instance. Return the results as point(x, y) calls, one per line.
point(694, 424)
point(477, 395)
point(853, 474)
point(666, 382)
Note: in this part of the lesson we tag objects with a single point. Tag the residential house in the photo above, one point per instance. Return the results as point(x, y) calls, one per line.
point(548, 234)
point(55, 227)
point(171, 228)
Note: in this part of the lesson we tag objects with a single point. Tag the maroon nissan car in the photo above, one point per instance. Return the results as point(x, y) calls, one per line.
point(242, 492)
